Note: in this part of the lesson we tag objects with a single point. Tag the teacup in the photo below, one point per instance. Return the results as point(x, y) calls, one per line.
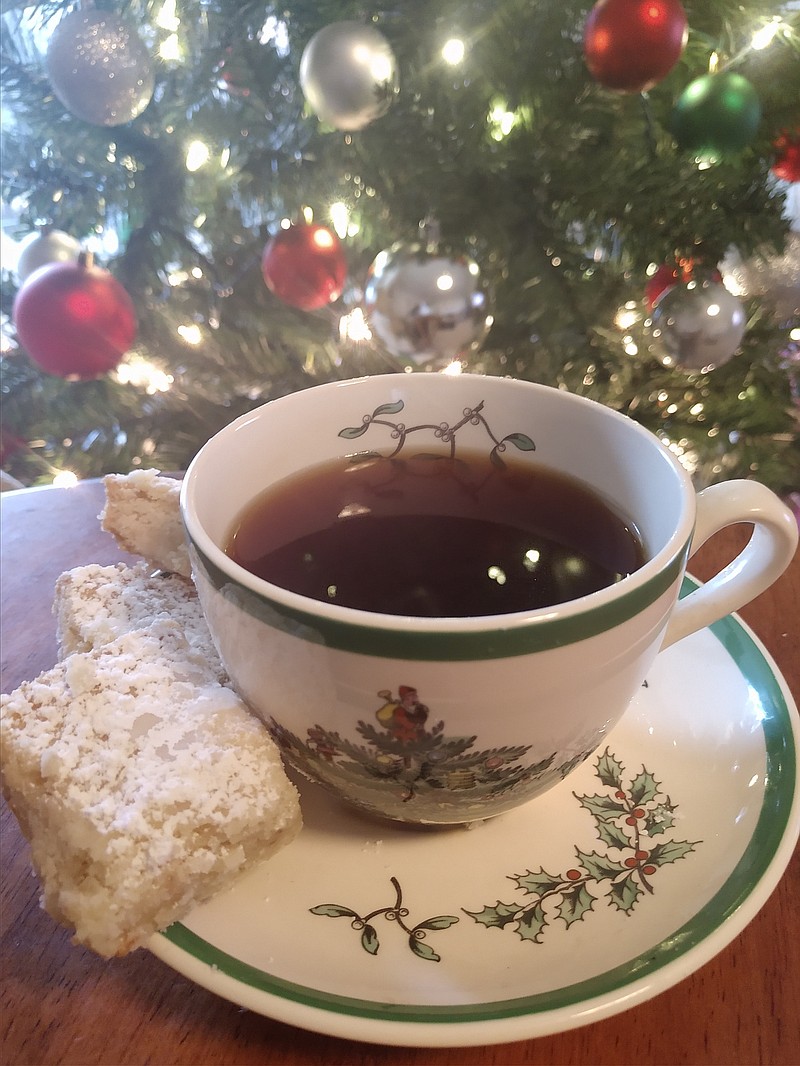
point(454, 719)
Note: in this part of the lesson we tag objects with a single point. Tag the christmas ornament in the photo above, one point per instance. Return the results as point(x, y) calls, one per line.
point(425, 306)
point(233, 74)
point(697, 326)
point(669, 274)
point(44, 247)
point(664, 278)
point(74, 320)
point(716, 115)
point(348, 75)
point(772, 278)
point(305, 266)
point(99, 68)
point(787, 157)
point(631, 45)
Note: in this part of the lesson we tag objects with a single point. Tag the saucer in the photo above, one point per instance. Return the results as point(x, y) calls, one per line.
point(609, 889)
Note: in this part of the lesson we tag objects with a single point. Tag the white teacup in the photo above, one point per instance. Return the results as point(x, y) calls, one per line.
point(497, 708)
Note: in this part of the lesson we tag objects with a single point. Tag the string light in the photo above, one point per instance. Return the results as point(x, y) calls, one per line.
point(765, 35)
point(191, 333)
point(170, 49)
point(340, 217)
point(197, 155)
point(453, 369)
point(65, 479)
point(353, 326)
point(144, 374)
point(453, 51)
point(167, 18)
point(501, 121)
point(627, 316)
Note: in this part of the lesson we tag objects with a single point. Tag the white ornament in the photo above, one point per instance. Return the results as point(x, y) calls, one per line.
point(348, 74)
point(697, 326)
point(42, 249)
point(424, 306)
point(99, 68)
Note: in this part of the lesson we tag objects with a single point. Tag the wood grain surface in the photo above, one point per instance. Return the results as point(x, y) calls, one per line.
point(61, 1004)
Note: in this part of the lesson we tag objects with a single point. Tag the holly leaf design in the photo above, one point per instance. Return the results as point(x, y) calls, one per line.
point(531, 923)
point(497, 917)
point(609, 770)
point(659, 820)
point(601, 806)
point(624, 894)
point(521, 441)
point(575, 902)
point(670, 851)
point(612, 835)
point(351, 432)
point(389, 408)
point(644, 787)
point(425, 951)
point(441, 921)
point(599, 867)
point(333, 910)
point(369, 939)
point(537, 884)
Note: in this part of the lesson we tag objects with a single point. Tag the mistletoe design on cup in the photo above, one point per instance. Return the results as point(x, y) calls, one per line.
point(628, 820)
point(442, 431)
point(396, 913)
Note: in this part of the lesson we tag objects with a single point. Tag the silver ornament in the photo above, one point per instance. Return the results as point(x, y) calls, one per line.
point(348, 75)
point(99, 68)
point(424, 306)
point(773, 279)
point(43, 248)
point(697, 326)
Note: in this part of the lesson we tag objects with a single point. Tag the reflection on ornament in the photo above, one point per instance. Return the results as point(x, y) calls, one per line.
point(348, 75)
point(424, 306)
point(772, 278)
point(630, 45)
point(668, 274)
point(99, 68)
point(716, 115)
point(74, 320)
point(696, 326)
point(41, 249)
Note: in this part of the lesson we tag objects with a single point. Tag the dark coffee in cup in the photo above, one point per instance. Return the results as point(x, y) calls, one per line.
point(435, 536)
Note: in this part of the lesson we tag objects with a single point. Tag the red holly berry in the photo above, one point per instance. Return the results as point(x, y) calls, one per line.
point(639, 812)
point(630, 820)
point(573, 875)
point(650, 869)
point(620, 795)
point(630, 862)
point(640, 855)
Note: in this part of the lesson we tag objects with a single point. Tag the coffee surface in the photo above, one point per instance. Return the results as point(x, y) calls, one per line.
point(434, 537)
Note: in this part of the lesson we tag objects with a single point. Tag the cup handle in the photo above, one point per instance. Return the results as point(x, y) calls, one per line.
point(761, 562)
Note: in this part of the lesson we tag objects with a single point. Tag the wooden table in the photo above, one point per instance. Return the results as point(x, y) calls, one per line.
point(61, 1004)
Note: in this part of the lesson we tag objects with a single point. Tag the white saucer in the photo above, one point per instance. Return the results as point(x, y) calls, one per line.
point(383, 933)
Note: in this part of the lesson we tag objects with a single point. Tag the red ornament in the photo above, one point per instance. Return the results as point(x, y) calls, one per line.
point(305, 266)
point(669, 274)
point(664, 278)
point(74, 320)
point(631, 45)
point(787, 157)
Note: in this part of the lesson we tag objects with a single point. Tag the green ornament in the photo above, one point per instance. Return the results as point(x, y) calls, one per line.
point(716, 115)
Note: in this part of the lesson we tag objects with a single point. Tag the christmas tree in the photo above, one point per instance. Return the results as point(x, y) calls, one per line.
point(599, 198)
